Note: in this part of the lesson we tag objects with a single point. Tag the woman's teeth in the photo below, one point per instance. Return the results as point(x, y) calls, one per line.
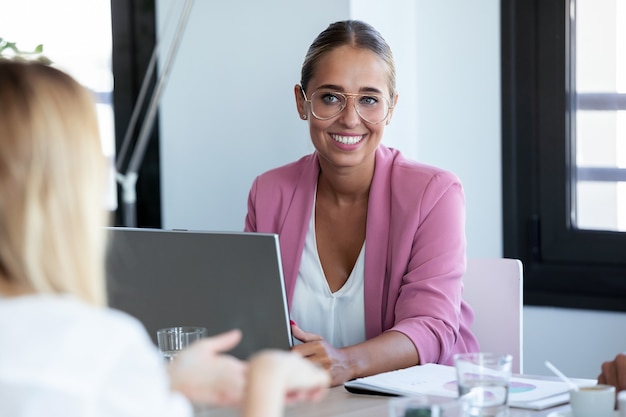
point(347, 140)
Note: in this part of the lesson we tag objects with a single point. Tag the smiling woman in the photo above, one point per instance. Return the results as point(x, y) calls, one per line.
point(373, 244)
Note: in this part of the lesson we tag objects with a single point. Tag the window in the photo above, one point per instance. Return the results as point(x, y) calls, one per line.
point(78, 46)
point(598, 61)
point(106, 45)
point(563, 144)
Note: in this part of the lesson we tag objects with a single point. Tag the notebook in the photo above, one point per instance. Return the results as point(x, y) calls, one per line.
point(534, 393)
point(218, 280)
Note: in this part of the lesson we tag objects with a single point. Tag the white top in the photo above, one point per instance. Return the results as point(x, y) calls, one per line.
point(62, 357)
point(338, 317)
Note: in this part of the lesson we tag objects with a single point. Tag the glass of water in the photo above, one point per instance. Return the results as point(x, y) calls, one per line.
point(423, 406)
point(172, 340)
point(483, 382)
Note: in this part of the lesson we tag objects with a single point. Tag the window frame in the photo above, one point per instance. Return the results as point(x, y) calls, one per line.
point(563, 267)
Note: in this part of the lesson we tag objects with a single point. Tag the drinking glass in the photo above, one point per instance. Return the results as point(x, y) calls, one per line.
point(423, 406)
point(414, 406)
point(483, 382)
point(172, 340)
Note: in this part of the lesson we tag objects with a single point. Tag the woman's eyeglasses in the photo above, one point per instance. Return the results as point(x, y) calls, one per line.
point(326, 104)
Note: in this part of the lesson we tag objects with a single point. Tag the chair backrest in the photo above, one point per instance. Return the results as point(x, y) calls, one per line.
point(494, 290)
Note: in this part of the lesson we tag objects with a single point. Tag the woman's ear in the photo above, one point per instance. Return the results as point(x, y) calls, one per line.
point(393, 106)
point(300, 103)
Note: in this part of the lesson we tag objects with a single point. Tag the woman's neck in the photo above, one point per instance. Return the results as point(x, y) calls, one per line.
point(343, 190)
point(345, 185)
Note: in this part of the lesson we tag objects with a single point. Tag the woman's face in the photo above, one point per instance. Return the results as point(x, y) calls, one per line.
point(347, 140)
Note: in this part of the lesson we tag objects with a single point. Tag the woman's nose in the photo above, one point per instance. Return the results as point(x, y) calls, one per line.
point(349, 115)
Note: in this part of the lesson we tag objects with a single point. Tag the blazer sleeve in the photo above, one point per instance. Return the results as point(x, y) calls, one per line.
point(429, 302)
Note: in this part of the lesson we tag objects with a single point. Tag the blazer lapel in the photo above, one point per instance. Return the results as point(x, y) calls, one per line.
point(292, 242)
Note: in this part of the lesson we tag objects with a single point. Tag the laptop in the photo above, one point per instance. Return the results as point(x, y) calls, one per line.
point(217, 280)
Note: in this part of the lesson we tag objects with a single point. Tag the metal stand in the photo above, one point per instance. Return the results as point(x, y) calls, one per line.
point(128, 180)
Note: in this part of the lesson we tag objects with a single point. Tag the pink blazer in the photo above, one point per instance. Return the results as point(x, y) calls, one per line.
point(414, 252)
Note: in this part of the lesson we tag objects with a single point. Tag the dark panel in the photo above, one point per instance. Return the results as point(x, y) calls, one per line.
point(134, 26)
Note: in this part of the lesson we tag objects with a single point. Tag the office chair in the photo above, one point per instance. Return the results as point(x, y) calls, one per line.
point(494, 290)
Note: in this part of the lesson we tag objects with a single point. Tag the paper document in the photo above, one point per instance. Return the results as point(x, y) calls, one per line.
point(440, 380)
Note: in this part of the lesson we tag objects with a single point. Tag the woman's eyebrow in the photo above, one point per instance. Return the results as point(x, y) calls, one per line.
point(370, 90)
point(340, 89)
point(330, 87)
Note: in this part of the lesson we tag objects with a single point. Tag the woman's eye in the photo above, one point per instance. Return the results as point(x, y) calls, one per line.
point(369, 100)
point(329, 98)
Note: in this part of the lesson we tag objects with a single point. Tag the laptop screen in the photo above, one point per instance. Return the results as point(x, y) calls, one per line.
point(217, 280)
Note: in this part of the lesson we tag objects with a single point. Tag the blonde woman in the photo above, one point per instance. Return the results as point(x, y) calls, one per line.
point(62, 351)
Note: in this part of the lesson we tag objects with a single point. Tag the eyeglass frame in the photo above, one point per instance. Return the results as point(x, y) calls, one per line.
point(347, 95)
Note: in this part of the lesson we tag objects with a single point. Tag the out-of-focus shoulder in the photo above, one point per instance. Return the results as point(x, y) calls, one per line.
point(414, 171)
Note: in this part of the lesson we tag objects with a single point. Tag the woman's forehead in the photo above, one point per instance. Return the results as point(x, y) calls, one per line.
point(351, 69)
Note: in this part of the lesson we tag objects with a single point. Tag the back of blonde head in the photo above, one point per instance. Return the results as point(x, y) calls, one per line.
point(52, 182)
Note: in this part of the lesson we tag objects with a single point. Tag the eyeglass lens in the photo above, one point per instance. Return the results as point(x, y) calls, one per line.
point(327, 104)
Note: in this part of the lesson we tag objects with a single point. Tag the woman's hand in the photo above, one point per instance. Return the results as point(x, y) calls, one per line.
point(614, 373)
point(300, 379)
point(276, 378)
point(205, 375)
point(386, 352)
point(317, 350)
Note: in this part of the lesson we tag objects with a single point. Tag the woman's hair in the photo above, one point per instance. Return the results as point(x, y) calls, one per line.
point(348, 32)
point(52, 184)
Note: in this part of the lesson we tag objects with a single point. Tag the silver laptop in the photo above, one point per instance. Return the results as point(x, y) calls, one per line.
point(218, 280)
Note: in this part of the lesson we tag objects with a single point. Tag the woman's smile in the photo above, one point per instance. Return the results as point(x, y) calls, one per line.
point(347, 139)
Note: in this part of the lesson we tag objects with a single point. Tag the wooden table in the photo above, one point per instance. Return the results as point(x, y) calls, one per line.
point(340, 403)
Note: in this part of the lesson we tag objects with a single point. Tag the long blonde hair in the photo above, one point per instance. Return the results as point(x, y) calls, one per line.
point(52, 184)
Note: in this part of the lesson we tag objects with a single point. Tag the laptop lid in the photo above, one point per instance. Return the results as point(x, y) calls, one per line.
point(218, 280)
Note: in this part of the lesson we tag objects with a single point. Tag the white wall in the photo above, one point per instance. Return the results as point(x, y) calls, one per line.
point(459, 112)
point(397, 26)
point(575, 341)
point(228, 114)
